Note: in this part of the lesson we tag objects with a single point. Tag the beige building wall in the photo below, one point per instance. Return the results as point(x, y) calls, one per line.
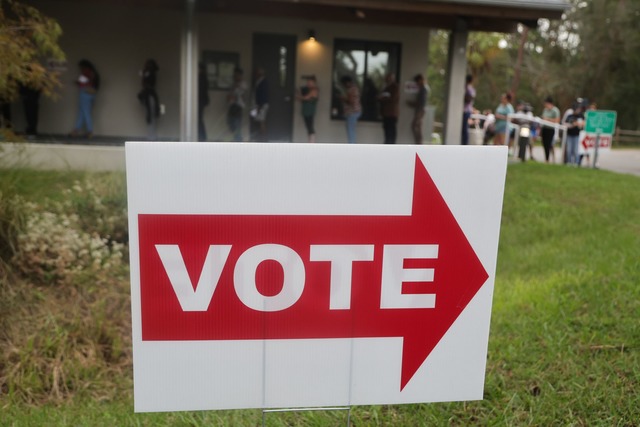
point(118, 39)
point(233, 33)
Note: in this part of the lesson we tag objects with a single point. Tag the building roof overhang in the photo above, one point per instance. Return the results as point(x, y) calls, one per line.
point(474, 15)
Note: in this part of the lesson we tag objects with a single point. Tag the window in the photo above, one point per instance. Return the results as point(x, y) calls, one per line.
point(366, 63)
point(220, 66)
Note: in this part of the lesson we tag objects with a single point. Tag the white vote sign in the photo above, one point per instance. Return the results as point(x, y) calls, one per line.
point(285, 275)
point(587, 142)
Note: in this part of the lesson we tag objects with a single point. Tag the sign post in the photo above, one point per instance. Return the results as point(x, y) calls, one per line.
point(286, 275)
point(600, 123)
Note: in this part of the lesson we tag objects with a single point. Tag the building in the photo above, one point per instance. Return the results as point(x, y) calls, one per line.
point(364, 37)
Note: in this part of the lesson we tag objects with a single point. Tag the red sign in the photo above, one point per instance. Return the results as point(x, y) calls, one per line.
point(588, 141)
point(254, 277)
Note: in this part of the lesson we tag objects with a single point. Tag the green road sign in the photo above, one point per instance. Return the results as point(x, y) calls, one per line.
point(600, 121)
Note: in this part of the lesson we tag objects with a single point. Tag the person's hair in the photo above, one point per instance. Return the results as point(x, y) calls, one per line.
point(507, 95)
point(549, 100)
point(469, 78)
point(238, 70)
point(346, 79)
point(417, 78)
point(151, 64)
point(85, 63)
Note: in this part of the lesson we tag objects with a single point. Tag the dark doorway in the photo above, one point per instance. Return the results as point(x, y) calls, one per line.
point(276, 55)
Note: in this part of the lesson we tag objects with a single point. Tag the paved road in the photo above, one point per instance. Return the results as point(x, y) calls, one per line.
point(622, 160)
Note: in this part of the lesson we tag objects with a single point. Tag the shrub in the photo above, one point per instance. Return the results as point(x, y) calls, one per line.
point(64, 295)
point(53, 248)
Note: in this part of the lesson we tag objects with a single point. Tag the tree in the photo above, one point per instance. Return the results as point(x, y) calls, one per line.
point(491, 66)
point(609, 46)
point(27, 39)
point(592, 53)
point(488, 63)
point(437, 70)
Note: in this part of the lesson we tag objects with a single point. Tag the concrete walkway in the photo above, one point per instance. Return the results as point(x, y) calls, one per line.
point(92, 156)
point(62, 156)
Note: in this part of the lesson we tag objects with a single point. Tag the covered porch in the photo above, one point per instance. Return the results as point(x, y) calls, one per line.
point(120, 35)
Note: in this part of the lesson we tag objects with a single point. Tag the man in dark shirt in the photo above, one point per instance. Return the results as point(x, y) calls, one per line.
point(575, 123)
point(389, 108)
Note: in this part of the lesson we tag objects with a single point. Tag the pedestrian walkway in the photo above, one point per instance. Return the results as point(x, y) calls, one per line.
point(60, 152)
point(107, 154)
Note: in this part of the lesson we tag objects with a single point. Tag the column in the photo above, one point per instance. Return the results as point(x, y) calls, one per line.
point(189, 76)
point(456, 73)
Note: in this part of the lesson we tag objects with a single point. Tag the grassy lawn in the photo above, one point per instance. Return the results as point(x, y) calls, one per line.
point(565, 334)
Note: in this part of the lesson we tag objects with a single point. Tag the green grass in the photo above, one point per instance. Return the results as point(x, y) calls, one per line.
point(564, 347)
point(39, 185)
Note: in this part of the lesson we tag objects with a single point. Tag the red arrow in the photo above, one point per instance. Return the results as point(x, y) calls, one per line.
point(458, 275)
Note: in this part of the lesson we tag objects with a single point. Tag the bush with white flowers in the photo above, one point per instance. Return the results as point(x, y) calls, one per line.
point(70, 239)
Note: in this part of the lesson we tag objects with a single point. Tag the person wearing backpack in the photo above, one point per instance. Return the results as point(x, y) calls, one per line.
point(88, 83)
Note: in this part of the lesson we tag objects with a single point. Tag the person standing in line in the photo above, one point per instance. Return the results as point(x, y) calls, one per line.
point(261, 107)
point(203, 100)
point(418, 105)
point(149, 97)
point(590, 107)
point(309, 100)
point(351, 107)
point(502, 112)
point(488, 127)
point(551, 113)
point(575, 123)
point(236, 104)
point(525, 109)
point(569, 111)
point(469, 96)
point(88, 83)
point(389, 100)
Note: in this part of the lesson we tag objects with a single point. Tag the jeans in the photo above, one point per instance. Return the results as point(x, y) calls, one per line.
point(351, 121)
point(235, 126)
point(152, 124)
point(84, 111)
point(389, 124)
point(416, 126)
point(572, 149)
point(465, 127)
